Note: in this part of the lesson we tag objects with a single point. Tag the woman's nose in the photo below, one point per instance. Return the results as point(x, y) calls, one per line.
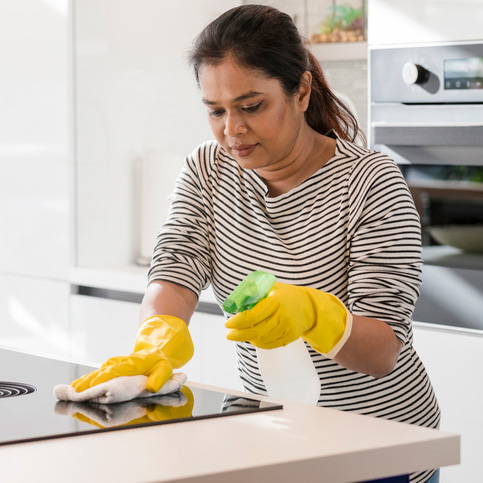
point(233, 126)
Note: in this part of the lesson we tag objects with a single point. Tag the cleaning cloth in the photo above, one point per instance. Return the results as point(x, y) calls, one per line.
point(119, 389)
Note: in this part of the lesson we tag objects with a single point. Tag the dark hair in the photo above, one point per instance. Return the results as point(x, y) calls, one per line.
point(266, 39)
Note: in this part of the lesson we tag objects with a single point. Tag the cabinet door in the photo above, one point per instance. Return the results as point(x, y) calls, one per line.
point(34, 315)
point(34, 138)
point(102, 328)
point(138, 115)
point(454, 361)
point(219, 357)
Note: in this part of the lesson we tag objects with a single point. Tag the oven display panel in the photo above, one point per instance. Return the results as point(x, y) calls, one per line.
point(463, 73)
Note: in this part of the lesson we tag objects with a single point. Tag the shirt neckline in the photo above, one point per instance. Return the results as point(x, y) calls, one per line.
point(271, 199)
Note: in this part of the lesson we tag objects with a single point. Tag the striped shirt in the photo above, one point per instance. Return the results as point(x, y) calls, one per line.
point(350, 229)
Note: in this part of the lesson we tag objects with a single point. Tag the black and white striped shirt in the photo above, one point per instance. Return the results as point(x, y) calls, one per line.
point(351, 229)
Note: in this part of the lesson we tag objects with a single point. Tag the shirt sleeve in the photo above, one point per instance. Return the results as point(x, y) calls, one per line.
point(385, 246)
point(182, 252)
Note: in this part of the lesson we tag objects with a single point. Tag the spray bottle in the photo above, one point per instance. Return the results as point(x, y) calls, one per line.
point(288, 372)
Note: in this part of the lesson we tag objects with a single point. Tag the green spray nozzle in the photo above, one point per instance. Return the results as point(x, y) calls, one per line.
point(251, 290)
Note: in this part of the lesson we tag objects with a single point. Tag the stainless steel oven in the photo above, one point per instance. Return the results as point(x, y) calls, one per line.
point(426, 112)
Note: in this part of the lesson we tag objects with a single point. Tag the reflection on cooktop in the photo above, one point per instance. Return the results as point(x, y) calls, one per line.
point(38, 415)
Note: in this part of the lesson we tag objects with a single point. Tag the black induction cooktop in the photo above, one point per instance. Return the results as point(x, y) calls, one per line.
point(29, 410)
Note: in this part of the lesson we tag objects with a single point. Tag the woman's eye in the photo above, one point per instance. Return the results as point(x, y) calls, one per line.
point(252, 108)
point(217, 113)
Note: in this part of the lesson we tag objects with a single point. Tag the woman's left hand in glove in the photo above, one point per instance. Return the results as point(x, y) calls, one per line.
point(289, 312)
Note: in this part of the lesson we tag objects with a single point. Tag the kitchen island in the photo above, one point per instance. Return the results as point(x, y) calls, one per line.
point(279, 445)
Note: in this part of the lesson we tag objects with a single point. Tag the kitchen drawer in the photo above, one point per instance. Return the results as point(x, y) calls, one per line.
point(453, 360)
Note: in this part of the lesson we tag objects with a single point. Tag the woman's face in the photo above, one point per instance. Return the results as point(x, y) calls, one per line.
point(251, 116)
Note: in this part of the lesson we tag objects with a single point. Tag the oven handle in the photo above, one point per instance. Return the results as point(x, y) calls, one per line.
point(419, 134)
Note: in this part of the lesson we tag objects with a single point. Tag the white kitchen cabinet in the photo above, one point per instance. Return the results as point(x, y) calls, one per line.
point(102, 328)
point(454, 360)
point(421, 21)
point(35, 176)
point(217, 352)
point(138, 115)
point(35, 138)
point(34, 315)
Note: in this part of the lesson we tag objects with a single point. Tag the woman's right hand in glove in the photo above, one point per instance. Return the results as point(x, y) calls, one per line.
point(163, 343)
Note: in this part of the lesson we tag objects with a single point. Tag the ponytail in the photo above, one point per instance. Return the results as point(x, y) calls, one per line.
point(326, 111)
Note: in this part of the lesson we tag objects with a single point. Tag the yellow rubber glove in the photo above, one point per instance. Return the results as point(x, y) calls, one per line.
point(289, 312)
point(163, 343)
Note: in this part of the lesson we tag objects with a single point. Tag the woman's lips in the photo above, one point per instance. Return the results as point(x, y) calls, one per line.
point(243, 150)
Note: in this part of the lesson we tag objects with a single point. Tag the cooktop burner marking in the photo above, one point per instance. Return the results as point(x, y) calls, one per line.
point(12, 389)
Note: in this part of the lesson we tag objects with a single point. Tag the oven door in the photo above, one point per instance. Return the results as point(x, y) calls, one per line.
point(436, 136)
point(443, 165)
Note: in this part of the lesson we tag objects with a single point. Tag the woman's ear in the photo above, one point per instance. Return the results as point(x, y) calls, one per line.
point(305, 88)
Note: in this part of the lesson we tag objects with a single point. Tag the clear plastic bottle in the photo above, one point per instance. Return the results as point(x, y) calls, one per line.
point(288, 372)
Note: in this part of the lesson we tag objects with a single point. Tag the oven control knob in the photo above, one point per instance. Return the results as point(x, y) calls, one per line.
point(414, 74)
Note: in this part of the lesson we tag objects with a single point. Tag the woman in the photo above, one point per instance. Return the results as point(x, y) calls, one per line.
point(285, 190)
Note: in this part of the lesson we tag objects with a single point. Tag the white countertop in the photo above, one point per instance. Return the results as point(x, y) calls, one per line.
point(298, 442)
point(125, 278)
